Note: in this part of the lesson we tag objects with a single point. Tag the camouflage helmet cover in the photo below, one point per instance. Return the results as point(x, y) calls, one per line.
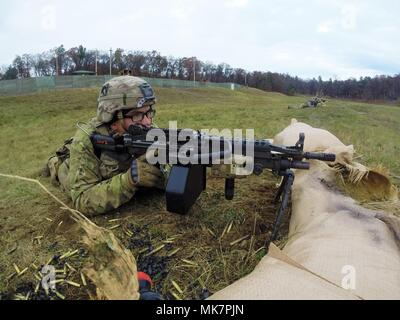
point(123, 93)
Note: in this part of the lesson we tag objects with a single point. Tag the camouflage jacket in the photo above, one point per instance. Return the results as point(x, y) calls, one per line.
point(96, 183)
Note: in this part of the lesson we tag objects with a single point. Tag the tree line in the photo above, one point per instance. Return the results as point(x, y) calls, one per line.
point(152, 64)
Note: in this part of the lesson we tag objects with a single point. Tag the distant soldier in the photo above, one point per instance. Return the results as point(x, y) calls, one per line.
point(312, 103)
point(101, 181)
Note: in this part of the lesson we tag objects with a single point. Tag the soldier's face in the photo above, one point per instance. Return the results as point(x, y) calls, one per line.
point(139, 117)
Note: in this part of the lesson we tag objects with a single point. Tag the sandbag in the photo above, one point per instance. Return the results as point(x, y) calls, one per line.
point(342, 250)
point(330, 234)
point(274, 279)
point(315, 139)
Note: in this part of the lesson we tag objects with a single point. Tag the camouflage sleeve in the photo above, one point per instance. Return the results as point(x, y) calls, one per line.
point(90, 194)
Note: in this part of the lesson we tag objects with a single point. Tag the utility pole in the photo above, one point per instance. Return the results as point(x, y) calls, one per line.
point(110, 60)
point(245, 79)
point(56, 64)
point(194, 71)
point(96, 63)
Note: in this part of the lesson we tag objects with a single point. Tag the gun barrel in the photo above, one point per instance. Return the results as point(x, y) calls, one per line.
point(300, 165)
point(330, 157)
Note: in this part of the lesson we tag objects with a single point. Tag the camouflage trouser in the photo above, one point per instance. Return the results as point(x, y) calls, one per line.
point(59, 172)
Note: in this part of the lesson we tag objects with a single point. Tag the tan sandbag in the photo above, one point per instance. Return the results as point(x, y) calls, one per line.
point(315, 139)
point(330, 234)
point(274, 279)
point(329, 230)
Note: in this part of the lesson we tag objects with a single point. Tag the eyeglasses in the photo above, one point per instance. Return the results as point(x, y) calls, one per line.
point(139, 116)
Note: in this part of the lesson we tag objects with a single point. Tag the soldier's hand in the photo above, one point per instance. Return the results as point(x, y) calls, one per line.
point(146, 175)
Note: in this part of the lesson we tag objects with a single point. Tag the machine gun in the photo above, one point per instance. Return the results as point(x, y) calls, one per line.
point(187, 179)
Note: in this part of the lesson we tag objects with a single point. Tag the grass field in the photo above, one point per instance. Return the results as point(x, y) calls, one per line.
point(32, 127)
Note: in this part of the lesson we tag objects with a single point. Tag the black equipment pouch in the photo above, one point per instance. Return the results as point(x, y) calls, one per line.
point(63, 153)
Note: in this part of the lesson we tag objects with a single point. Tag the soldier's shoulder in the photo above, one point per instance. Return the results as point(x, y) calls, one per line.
point(86, 129)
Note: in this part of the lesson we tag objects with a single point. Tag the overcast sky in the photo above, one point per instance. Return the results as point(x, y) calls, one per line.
point(335, 38)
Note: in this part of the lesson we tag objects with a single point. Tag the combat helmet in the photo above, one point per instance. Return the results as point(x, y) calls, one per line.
point(123, 93)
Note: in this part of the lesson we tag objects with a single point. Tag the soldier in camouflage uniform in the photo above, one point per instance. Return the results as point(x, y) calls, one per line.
point(101, 181)
point(313, 103)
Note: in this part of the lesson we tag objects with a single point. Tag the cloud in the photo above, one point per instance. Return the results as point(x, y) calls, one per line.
point(49, 18)
point(302, 37)
point(235, 3)
point(181, 10)
point(282, 56)
point(325, 27)
point(349, 17)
